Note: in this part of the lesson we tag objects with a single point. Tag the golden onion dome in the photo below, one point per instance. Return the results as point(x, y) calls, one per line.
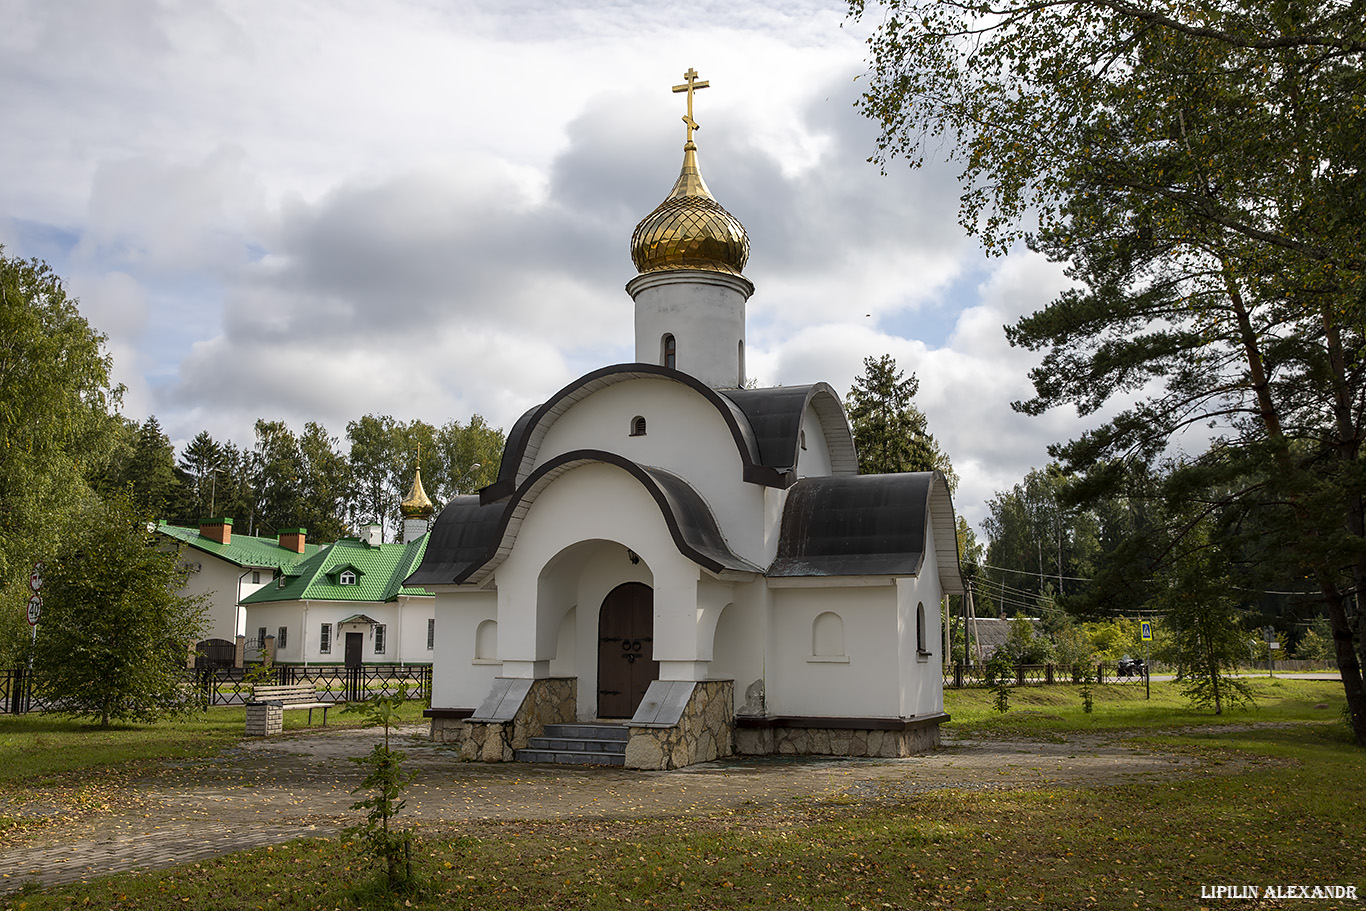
point(417, 505)
point(690, 229)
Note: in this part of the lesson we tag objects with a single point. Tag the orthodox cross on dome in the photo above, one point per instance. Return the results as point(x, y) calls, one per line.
point(690, 86)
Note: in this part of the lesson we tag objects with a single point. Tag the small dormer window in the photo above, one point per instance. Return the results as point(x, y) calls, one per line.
point(669, 352)
point(638, 426)
point(346, 578)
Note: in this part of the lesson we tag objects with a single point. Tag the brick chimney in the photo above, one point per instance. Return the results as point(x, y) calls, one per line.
point(293, 539)
point(219, 530)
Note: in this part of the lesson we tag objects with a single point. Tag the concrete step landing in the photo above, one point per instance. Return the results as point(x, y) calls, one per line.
point(578, 744)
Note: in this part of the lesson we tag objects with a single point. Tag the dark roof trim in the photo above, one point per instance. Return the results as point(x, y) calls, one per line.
point(524, 440)
point(689, 519)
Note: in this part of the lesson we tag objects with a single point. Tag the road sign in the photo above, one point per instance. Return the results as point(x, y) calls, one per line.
point(1147, 630)
point(35, 609)
point(35, 578)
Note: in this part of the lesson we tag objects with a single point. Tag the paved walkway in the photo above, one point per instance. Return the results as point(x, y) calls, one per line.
point(270, 791)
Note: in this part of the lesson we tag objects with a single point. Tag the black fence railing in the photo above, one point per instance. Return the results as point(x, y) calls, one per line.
point(230, 686)
point(959, 675)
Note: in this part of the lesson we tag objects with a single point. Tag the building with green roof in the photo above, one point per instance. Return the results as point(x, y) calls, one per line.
point(347, 604)
point(225, 568)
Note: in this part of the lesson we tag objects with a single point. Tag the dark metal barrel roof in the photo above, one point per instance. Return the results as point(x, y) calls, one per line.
point(867, 525)
point(460, 540)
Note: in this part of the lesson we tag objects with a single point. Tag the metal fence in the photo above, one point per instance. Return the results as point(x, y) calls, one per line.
point(230, 686)
point(960, 675)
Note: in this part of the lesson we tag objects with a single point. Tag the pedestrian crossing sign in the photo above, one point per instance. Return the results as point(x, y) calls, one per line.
point(1147, 630)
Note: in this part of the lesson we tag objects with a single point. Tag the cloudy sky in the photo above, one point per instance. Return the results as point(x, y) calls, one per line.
point(312, 210)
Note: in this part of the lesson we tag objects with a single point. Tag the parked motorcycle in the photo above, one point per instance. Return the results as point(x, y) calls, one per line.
point(1132, 667)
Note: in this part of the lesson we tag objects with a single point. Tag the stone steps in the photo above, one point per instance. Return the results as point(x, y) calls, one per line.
point(578, 744)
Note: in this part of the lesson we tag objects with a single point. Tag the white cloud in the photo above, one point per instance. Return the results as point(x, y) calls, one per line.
point(314, 210)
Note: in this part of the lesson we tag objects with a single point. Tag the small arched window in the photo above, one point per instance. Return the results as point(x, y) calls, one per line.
point(801, 436)
point(741, 384)
point(827, 636)
point(486, 641)
point(921, 646)
point(638, 426)
point(346, 578)
point(668, 351)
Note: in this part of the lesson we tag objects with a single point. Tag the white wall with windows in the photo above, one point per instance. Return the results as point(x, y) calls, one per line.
point(316, 632)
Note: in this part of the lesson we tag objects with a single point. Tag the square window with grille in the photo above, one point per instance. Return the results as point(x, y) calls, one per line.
point(325, 639)
point(379, 638)
point(431, 634)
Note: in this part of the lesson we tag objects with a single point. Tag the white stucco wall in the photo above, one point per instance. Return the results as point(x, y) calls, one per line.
point(570, 552)
point(223, 584)
point(405, 633)
point(459, 679)
point(922, 681)
point(864, 682)
point(705, 313)
point(814, 460)
point(684, 434)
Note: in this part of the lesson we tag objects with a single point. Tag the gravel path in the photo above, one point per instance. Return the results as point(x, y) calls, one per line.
point(273, 790)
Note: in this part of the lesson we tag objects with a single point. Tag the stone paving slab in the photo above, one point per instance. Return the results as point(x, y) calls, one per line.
point(276, 789)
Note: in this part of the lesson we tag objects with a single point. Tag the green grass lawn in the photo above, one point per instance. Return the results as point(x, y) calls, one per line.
point(1271, 805)
point(37, 749)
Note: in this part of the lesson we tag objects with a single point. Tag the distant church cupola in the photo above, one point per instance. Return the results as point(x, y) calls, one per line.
point(417, 508)
point(690, 294)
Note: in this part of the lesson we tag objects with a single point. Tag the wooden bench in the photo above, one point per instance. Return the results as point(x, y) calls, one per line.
point(293, 696)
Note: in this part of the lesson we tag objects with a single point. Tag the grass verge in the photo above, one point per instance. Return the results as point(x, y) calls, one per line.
point(1269, 805)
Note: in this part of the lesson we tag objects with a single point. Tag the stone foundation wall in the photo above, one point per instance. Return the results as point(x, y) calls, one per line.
point(448, 730)
point(829, 741)
point(704, 732)
point(550, 700)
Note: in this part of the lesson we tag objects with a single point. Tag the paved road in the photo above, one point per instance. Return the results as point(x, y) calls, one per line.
point(274, 790)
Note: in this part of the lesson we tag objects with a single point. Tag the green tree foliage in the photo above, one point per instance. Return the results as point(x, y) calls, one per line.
point(390, 848)
point(325, 484)
point(890, 432)
point(1024, 646)
point(1317, 642)
point(376, 460)
point(200, 468)
point(115, 632)
point(142, 462)
point(56, 425)
point(462, 447)
point(1198, 166)
point(1204, 636)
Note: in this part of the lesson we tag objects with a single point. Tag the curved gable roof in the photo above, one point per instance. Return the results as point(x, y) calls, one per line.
point(471, 538)
point(524, 440)
point(868, 525)
point(775, 417)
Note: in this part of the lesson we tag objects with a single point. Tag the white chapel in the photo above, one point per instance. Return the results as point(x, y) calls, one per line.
point(673, 568)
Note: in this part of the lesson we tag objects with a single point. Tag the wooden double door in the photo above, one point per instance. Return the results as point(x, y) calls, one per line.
point(626, 664)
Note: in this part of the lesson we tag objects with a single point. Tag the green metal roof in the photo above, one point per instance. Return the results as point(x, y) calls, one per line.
point(380, 572)
point(244, 550)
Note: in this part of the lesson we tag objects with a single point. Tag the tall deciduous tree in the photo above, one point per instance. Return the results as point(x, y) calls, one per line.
point(326, 484)
point(115, 630)
point(469, 457)
point(1198, 166)
point(56, 424)
point(890, 432)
